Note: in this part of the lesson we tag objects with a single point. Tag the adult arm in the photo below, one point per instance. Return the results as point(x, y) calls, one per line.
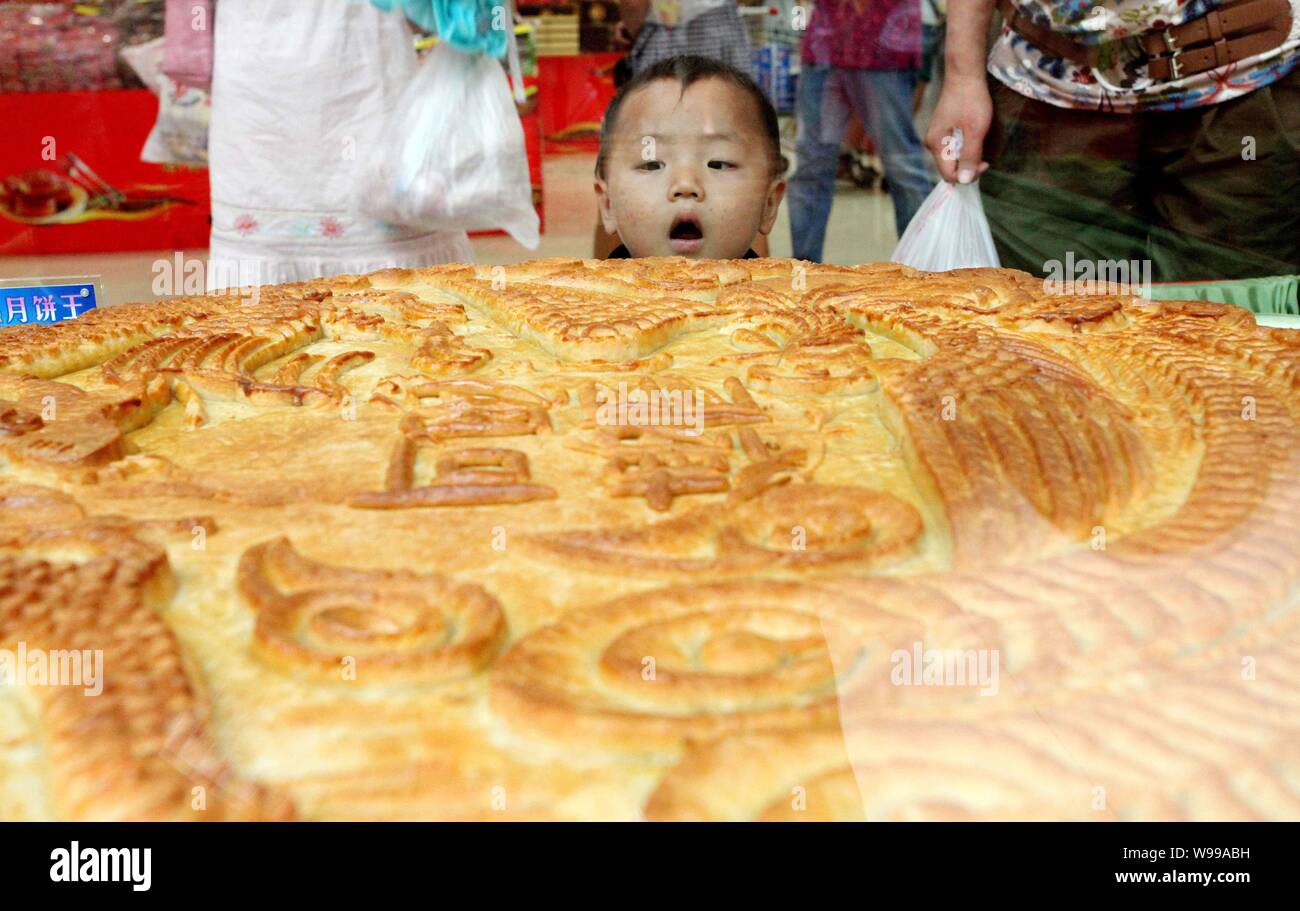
point(965, 102)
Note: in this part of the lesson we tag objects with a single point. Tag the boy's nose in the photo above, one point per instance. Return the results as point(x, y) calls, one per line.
point(685, 185)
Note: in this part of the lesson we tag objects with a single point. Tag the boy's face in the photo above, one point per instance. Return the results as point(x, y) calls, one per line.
point(688, 174)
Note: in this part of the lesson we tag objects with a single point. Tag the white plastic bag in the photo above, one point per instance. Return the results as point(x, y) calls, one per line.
point(146, 60)
point(180, 132)
point(451, 154)
point(949, 231)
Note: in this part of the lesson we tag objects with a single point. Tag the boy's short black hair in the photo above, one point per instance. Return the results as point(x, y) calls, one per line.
point(688, 69)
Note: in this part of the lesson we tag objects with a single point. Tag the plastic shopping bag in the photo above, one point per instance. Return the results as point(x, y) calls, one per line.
point(949, 231)
point(451, 154)
point(180, 132)
point(145, 59)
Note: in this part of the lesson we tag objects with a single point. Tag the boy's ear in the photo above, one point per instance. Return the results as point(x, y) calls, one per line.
point(772, 205)
point(604, 207)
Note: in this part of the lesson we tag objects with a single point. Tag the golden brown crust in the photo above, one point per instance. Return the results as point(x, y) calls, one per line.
point(138, 748)
point(1186, 753)
point(648, 672)
point(416, 545)
point(337, 624)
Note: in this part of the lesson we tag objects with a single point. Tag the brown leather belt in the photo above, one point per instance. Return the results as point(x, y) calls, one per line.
point(1228, 34)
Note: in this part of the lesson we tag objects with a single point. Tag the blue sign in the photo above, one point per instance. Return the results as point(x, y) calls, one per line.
point(24, 305)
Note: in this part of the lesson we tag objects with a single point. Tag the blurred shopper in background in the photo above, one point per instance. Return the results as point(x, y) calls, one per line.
point(659, 29)
point(1165, 131)
point(934, 14)
point(654, 30)
point(930, 76)
point(299, 89)
point(859, 56)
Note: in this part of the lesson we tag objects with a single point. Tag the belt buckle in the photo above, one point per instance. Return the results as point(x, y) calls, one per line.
point(1175, 68)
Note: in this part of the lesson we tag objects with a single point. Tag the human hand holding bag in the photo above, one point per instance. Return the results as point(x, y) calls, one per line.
point(950, 230)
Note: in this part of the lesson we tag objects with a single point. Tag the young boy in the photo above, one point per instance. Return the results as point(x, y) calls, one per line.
point(690, 162)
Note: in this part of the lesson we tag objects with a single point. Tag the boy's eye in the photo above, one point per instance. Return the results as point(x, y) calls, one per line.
point(719, 165)
point(650, 166)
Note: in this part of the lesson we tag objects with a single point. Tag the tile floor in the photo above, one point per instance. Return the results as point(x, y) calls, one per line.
point(861, 230)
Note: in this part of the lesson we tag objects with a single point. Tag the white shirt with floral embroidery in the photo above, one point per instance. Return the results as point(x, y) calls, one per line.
point(299, 94)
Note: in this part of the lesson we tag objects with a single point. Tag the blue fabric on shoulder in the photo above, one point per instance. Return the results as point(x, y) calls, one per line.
point(472, 26)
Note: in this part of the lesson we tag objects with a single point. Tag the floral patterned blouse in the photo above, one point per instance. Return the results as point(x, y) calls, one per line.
point(1123, 86)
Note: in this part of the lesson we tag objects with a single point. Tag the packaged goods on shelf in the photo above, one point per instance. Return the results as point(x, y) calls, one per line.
point(48, 47)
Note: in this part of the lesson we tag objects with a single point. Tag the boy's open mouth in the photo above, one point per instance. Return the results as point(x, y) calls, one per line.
point(686, 235)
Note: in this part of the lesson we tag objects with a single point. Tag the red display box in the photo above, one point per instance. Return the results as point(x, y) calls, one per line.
point(154, 207)
point(49, 204)
point(575, 90)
